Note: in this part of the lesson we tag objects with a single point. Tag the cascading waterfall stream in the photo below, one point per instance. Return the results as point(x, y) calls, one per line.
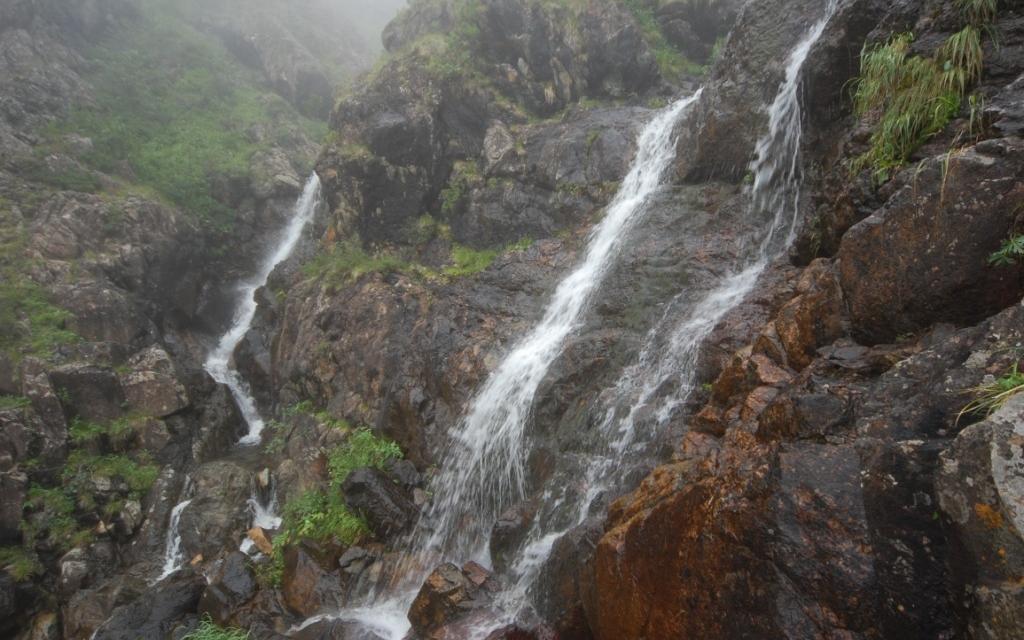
point(221, 368)
point(174, 555)
point(219, 363)
point(775, 197)
point(484, 470)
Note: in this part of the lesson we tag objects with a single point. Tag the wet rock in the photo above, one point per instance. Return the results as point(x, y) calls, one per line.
point(910, 263)
point(980, 488)
point(8, 597)
point(231, 586)
point(330, 630)
point(448, 595)
point(311, 584)
point(218, 515)
point(152, 386)
point(157, 612)
point(44, 626)
point(509, 532)
point(386, 506)
point(813, 318)
point(559, 590)
point(261, 540)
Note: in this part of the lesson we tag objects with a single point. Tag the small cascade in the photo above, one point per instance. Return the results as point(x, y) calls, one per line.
point(174, 554)
point(263, 508)
point(219, 363)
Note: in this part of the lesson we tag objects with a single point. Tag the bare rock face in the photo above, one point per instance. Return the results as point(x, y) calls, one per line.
point(448, 596)
point(152, 386)
point(218, 516)
point(980, 487)
point(923, 257)
point(233, 585)
point(162, 608)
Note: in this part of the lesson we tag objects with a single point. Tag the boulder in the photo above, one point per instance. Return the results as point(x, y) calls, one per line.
point(448, 595)
point(980, 486)
point(158, 611)
point(231, 586)
point(924, 256)
point(91, 392)
point(152, 386)
point(311, 582)
point(218, 515)
point(387, 507)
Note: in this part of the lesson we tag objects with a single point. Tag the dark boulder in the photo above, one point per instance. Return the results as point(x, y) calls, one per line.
point(13, 489)
point(158, 611)
point(387, 507)
point(231, 586)
point(448, 596)
point(924, 256)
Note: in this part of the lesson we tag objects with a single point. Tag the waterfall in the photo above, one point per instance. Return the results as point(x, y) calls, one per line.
point(219, 363)
point(263, 508)
point(483, 471)
point(174, 555)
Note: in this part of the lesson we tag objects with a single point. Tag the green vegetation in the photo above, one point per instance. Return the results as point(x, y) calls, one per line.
point(990, 397)
point(978, 12)
point(30, 324)
point(70, 179)
point(13, 402)
point(1011, 253)
point(173, 110)
point(467, 261)
point(20, 563)
point(346, 261)
point(207, 630)
point(322, 515)
point(914, 97)
point(83, 469)
point(52, 521)
point(115, 433)
point(673, 65)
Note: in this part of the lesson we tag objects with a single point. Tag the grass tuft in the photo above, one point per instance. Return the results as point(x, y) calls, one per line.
point(207, 630)
point(991, 397)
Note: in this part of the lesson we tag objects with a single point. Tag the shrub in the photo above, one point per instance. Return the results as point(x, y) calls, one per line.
point(362, 449)
point(978, 12)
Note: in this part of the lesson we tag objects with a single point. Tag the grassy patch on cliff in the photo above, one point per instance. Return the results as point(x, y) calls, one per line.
point(672, 63)
point(174, 112)
point(912, 98)
point(322, 515)
point(207, 630)
point(30, 323)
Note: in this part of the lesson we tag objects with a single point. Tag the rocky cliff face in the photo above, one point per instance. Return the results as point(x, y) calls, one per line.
point(821, 479)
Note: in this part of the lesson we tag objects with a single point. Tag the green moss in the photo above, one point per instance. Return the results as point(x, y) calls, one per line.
point(115, 433)
point(82, 469)
point(52, 518)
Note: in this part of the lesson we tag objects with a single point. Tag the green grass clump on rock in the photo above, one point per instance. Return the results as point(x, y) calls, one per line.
point(207, 630)
point(912, 98)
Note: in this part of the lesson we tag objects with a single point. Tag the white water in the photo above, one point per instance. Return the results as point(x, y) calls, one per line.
point(263, 511)
point(219, 363)
point(672, 363)
point(483, 471)
point(174, 555)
